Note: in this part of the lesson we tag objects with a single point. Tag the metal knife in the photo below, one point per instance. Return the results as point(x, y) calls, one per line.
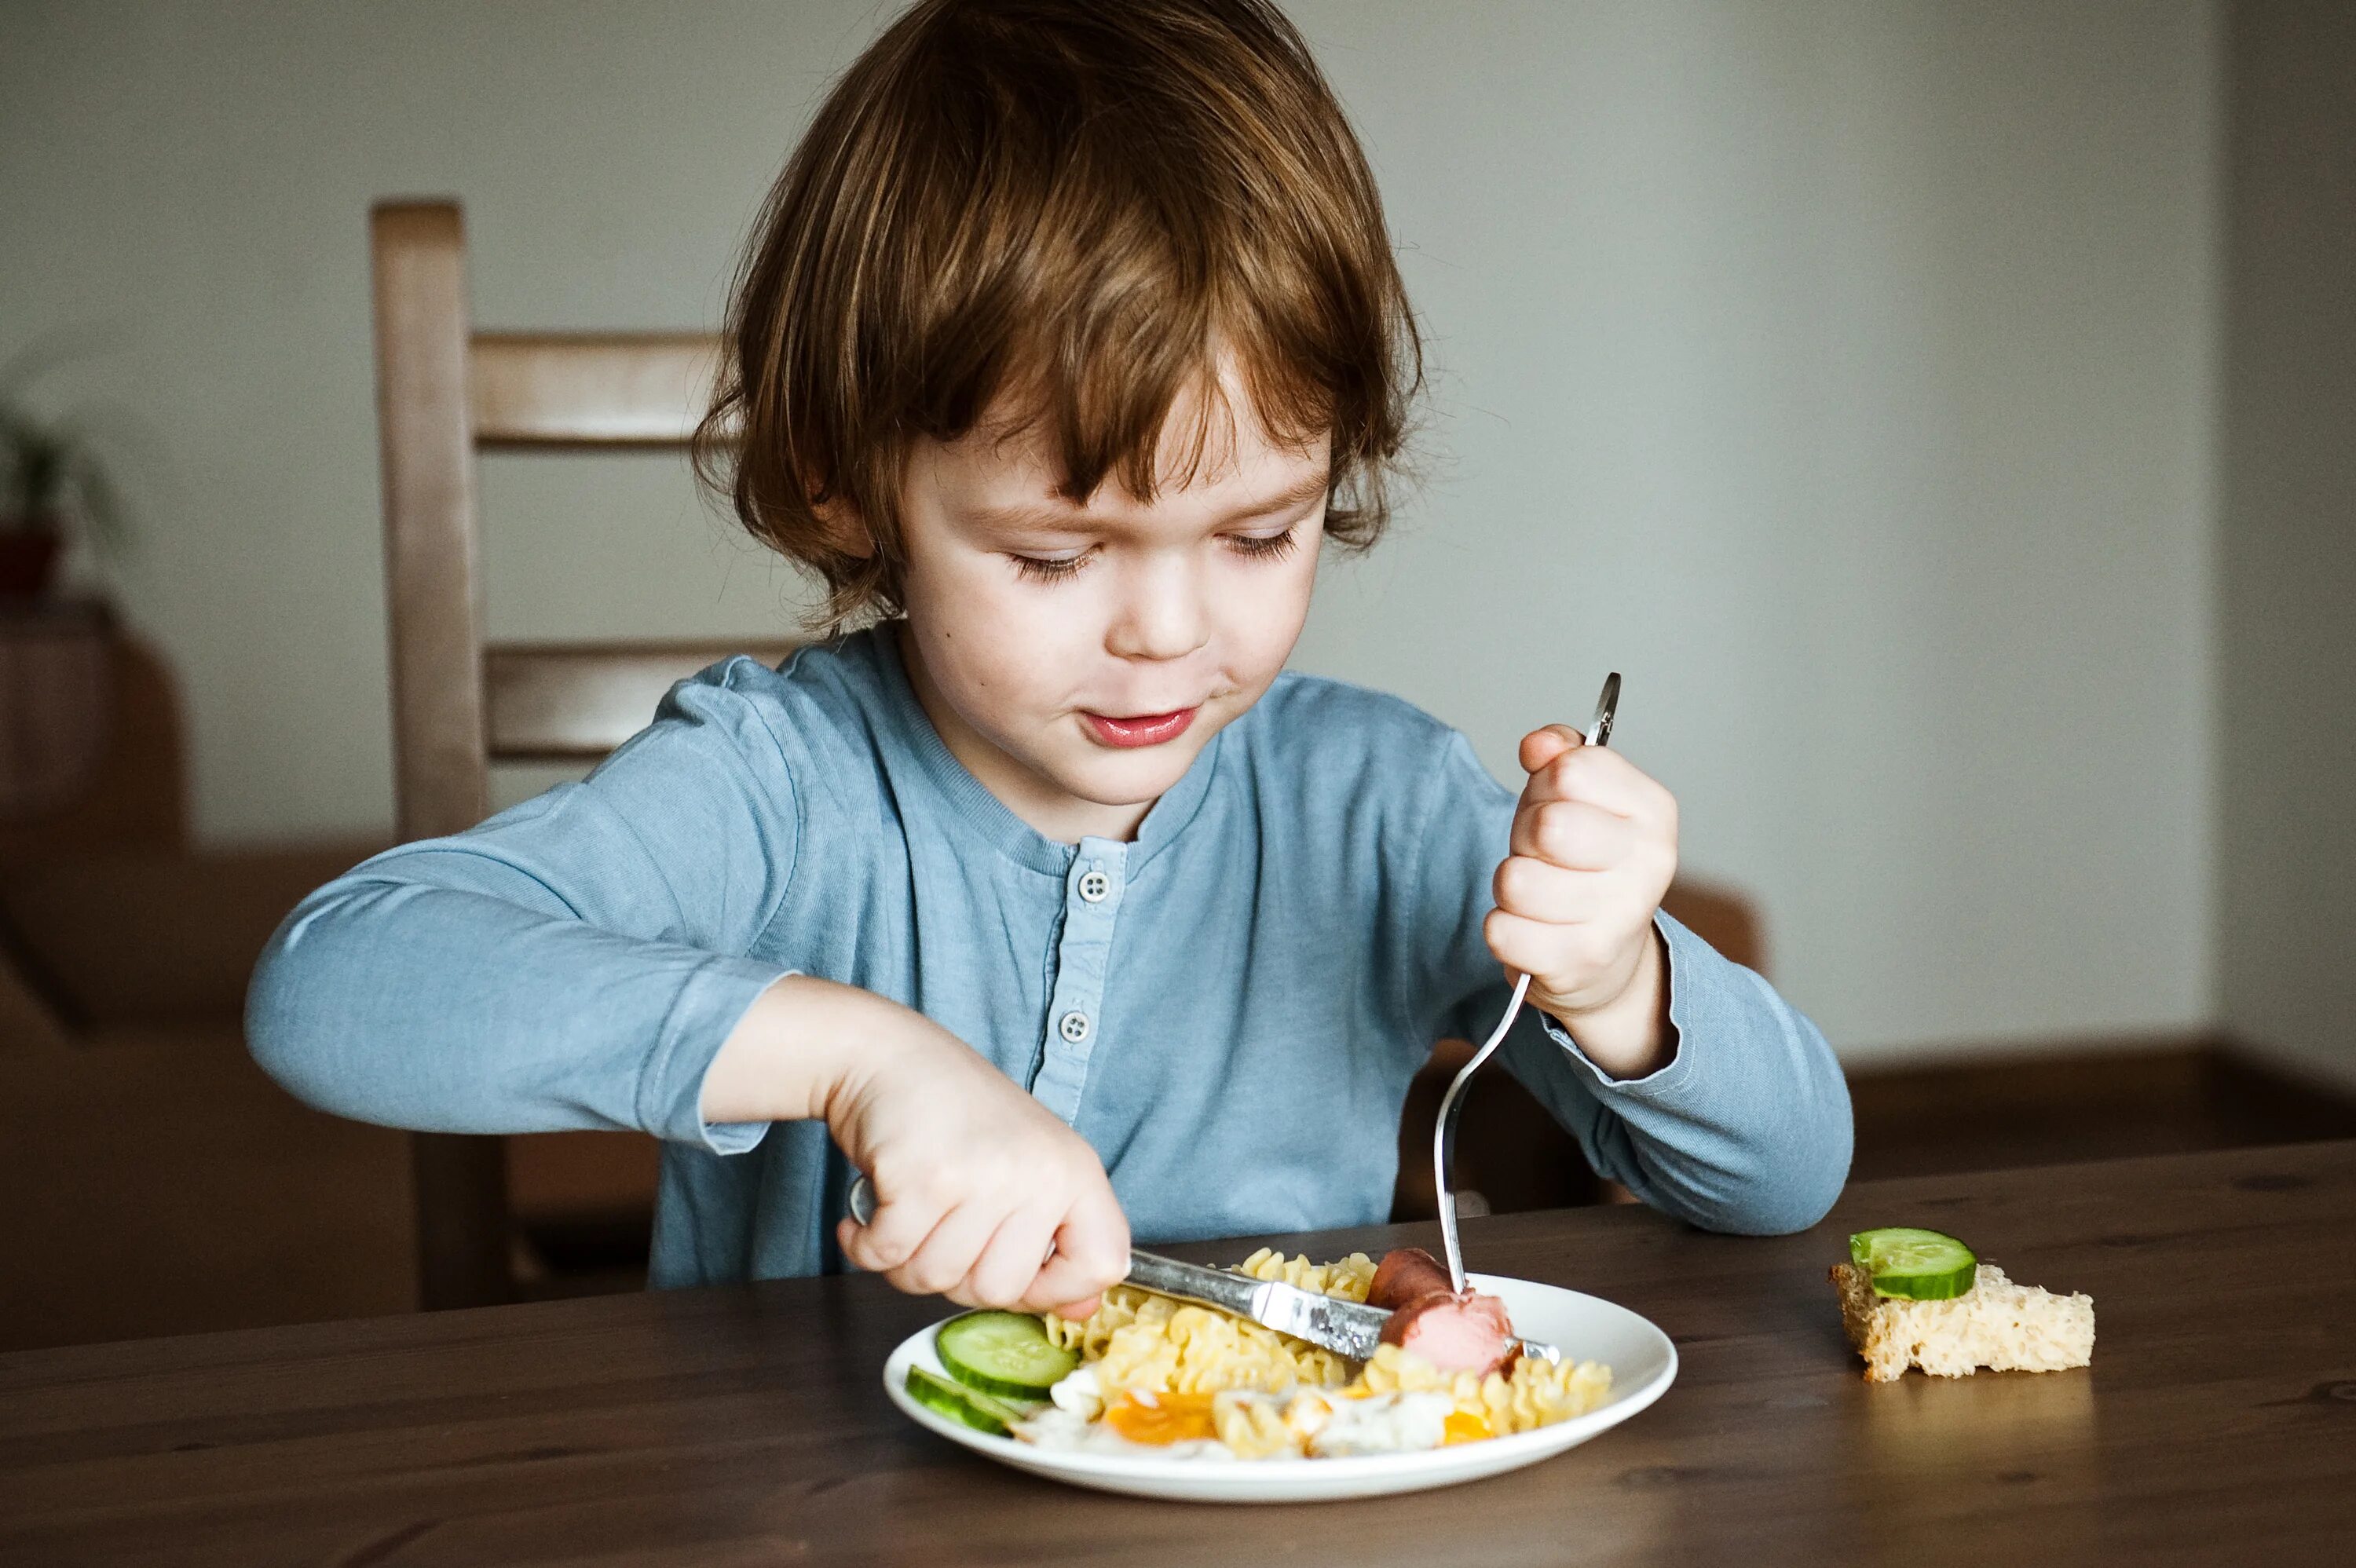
point(1351, 1328)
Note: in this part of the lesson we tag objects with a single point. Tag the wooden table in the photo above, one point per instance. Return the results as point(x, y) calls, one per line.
point(2218, 1424)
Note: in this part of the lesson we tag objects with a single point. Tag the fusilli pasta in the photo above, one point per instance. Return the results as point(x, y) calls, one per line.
point(1535, 1394)
point(1137, 1342)
point(1141, 1341)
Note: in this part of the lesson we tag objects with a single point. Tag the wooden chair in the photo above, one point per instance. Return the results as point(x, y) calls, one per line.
point(1510, 1155)
point(445, 392)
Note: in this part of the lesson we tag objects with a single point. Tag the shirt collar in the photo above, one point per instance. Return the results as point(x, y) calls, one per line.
point(906, 721)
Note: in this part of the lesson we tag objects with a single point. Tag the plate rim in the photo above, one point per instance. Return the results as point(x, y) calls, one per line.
point(1369, 1471)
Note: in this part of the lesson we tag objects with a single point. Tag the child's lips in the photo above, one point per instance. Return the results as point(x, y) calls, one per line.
point(1140, 728)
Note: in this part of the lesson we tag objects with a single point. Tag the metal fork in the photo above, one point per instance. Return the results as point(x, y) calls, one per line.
point(1451, 1105)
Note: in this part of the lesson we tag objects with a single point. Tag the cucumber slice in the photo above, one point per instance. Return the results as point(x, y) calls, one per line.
point(971, 1406)
point(1917, 1265)
point(1004, 1354)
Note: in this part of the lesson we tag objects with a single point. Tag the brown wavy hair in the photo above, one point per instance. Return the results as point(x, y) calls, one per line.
point(1083, 205)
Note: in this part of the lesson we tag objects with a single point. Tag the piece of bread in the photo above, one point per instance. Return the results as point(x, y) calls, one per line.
point(1998, 1324)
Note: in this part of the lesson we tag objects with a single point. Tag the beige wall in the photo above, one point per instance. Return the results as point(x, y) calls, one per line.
point(2286, 806)
point(1839, 372)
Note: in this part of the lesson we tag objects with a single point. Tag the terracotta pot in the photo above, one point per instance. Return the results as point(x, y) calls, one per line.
point(29, 557)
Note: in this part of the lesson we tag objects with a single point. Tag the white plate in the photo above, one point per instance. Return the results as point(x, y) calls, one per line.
point(1584, 1327)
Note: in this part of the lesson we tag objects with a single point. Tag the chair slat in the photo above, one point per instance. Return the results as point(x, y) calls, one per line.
point(558, 703)
point(590, 390)
point(431, 568)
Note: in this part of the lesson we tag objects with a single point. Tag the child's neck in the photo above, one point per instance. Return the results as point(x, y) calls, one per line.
point(1047, 809)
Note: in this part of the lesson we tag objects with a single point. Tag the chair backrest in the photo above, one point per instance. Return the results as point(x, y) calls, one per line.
point(445, 392)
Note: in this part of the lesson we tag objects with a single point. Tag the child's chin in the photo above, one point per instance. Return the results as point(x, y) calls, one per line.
point(1112, 777)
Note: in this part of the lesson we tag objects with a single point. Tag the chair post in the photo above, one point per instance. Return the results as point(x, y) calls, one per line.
point(442, 773)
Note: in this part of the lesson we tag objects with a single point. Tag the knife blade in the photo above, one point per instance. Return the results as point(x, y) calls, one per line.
point(1351, 1329)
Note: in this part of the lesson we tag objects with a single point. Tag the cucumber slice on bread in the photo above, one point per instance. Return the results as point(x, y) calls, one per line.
point(1915, 1266)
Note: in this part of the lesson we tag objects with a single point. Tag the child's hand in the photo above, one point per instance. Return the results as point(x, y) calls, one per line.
point(974, 1179)
point(1594, 844)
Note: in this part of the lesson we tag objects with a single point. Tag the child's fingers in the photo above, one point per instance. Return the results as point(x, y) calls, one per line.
point(1542, 746)
point(1001, 1276)
point(1600, 776)
point(948, 1255)
point(1573, 835)
point(1541, 949)
point(901, 1225)
point(1091, 1254)
point(1537, 890)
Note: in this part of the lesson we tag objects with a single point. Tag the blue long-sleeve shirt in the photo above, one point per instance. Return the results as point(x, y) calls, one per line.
point(1228, 1009)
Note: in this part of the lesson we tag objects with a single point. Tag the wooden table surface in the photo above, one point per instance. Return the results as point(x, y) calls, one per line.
point(2217, 1425)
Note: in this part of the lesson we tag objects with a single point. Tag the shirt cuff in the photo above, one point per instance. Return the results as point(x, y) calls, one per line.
point(671, 1090)
point(1688, 958)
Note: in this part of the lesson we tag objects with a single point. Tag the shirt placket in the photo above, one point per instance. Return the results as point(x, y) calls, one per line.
point(1092, 893)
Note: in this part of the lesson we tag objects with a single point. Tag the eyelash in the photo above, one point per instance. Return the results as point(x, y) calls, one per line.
point(1037, 569)
point(1275, 546)
point(1047, 569)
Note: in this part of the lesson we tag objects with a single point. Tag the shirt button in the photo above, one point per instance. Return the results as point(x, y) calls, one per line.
point(1094, 886)
point(1073, 1027)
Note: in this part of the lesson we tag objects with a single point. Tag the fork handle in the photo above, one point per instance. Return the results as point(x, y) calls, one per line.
point(1443, 1134)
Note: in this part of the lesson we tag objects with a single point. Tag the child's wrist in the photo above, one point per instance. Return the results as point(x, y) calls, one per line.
point(1630, 1036)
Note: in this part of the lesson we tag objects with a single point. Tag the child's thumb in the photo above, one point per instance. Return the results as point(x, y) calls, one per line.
point(1540, 747)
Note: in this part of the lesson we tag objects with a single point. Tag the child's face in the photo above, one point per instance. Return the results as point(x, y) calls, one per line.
point(1075, 659)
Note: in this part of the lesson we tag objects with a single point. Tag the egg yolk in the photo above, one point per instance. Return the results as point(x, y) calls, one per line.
point(1462, 1427)
point(1161, 1418)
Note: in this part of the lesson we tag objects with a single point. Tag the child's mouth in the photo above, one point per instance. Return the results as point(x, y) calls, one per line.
point(1140, 728)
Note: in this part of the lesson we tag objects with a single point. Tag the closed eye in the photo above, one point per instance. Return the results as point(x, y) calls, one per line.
point(1266, 547)
point(1051, 567)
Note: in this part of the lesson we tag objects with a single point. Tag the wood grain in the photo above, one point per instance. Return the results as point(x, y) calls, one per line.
point(433, 615)
point(575, 702)
point(598, 389)
point(741, 1426)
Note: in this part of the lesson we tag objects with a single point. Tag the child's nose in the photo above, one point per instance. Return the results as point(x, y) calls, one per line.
point(1161, 615)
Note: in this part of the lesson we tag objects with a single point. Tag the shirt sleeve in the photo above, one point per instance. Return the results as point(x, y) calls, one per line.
point(573, 962)
point(1746, 1129)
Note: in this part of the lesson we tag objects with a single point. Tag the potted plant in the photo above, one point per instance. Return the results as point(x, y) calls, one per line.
point(53, 485)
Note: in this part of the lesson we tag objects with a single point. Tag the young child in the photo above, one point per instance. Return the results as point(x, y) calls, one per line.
point(1070, 334)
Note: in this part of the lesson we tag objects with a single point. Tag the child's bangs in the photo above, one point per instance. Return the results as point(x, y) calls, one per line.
point(1152, 391)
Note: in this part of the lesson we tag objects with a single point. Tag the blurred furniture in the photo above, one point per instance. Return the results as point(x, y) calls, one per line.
point(155, 1181)
point(56, 702)
point(1511, 1156)
point(446, 392)
point(126, 790)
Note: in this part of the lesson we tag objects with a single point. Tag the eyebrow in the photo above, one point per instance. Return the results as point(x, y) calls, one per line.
point(1033, 515)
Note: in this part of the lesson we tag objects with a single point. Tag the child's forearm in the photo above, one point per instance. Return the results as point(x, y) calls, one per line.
point(1744, 1127)
point(797, 1050)
point(391, 999)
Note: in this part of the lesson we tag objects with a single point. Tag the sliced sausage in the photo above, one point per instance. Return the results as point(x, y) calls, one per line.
point(1405, 1274)
point(1467, 1333)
